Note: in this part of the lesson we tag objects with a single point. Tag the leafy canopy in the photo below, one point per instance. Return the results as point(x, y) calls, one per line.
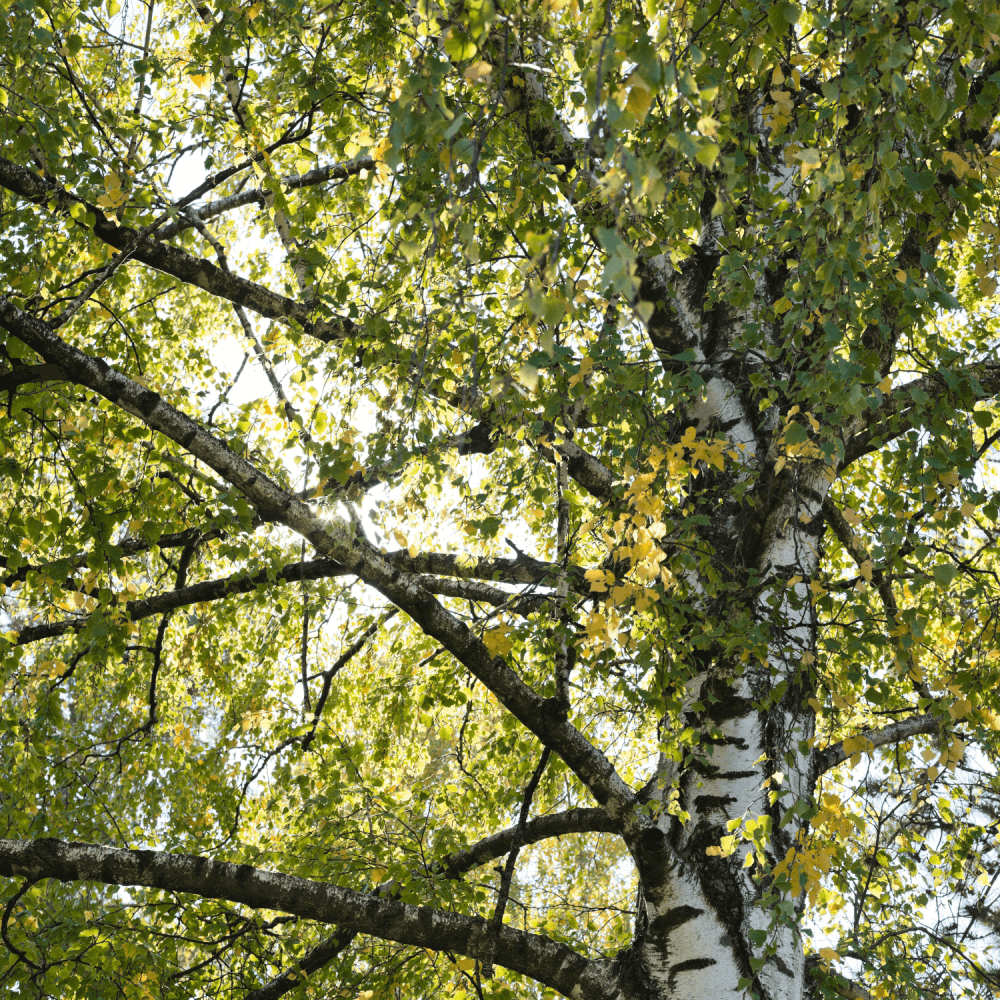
point(403, 259)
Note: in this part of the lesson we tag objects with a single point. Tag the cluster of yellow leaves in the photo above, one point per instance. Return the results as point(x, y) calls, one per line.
point(832, 818)
point(113, 196)
point(633, 540)
point(805, 864)
point(779, 114)
point(801, 450)
point(497, 640)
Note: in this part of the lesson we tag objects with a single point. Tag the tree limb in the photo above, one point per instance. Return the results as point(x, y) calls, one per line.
point(553, 964)
point(340, 541)
point(11, 379)
point(913, 725)
point(452, 866)
point(320, 175)
point(173, 261)
point(894, 416)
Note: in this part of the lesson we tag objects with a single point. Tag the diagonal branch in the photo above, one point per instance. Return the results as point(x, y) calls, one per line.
point(173, 261)
point(312, 961)
point(896, 414)
point(553, 964)
point(339, 541)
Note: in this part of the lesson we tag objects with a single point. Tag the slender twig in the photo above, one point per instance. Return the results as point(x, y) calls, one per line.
point(8, 909)
point(507, 874)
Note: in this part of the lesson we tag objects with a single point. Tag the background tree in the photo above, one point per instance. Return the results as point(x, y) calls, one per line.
point(585, 583)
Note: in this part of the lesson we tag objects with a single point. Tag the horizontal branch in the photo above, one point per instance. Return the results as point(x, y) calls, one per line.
point(22, 374)
point(547, 961)
point(173, 261)
point(895, 415)
point(315, 569)
point(320, 175)
point(914, 725)
point(197, 593)
point(522, 570)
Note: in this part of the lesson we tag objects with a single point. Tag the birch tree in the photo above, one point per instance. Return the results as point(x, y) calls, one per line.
point(499, 499)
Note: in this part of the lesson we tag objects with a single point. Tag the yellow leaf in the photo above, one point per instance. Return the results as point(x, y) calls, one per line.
point(496, 641)
point(640, 98)
point(851, 516)
point(968, 509)
point(956, 162)
point(901, 276)
point(782, 305)
point(198, 79)
point(809, 159)
point(466, 964)
point(586, 367)
point(527, 375)
point(478, 71)
point(866, 570)
point(828, 955)
point(777, 77)
point(708, 126)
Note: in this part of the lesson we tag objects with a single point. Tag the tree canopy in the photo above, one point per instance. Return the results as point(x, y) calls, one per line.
point(499, 499)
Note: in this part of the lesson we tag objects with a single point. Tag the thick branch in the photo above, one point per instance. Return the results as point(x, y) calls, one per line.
point(22, 374)
point(339, 541)
point(554, 964)
point(914, 725)
point(170, 260)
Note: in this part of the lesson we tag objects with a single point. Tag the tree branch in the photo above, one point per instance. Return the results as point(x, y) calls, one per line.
point(173, 261)
point(207, 590)
point(914, 725)
point(320, 175)
point(452, 866)
point(340, 541)
point(895, 414)
point(553, 964)
point(313, 960)
point(11, 379)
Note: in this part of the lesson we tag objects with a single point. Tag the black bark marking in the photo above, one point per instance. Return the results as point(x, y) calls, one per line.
point(662, 925)
point(691, 965)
